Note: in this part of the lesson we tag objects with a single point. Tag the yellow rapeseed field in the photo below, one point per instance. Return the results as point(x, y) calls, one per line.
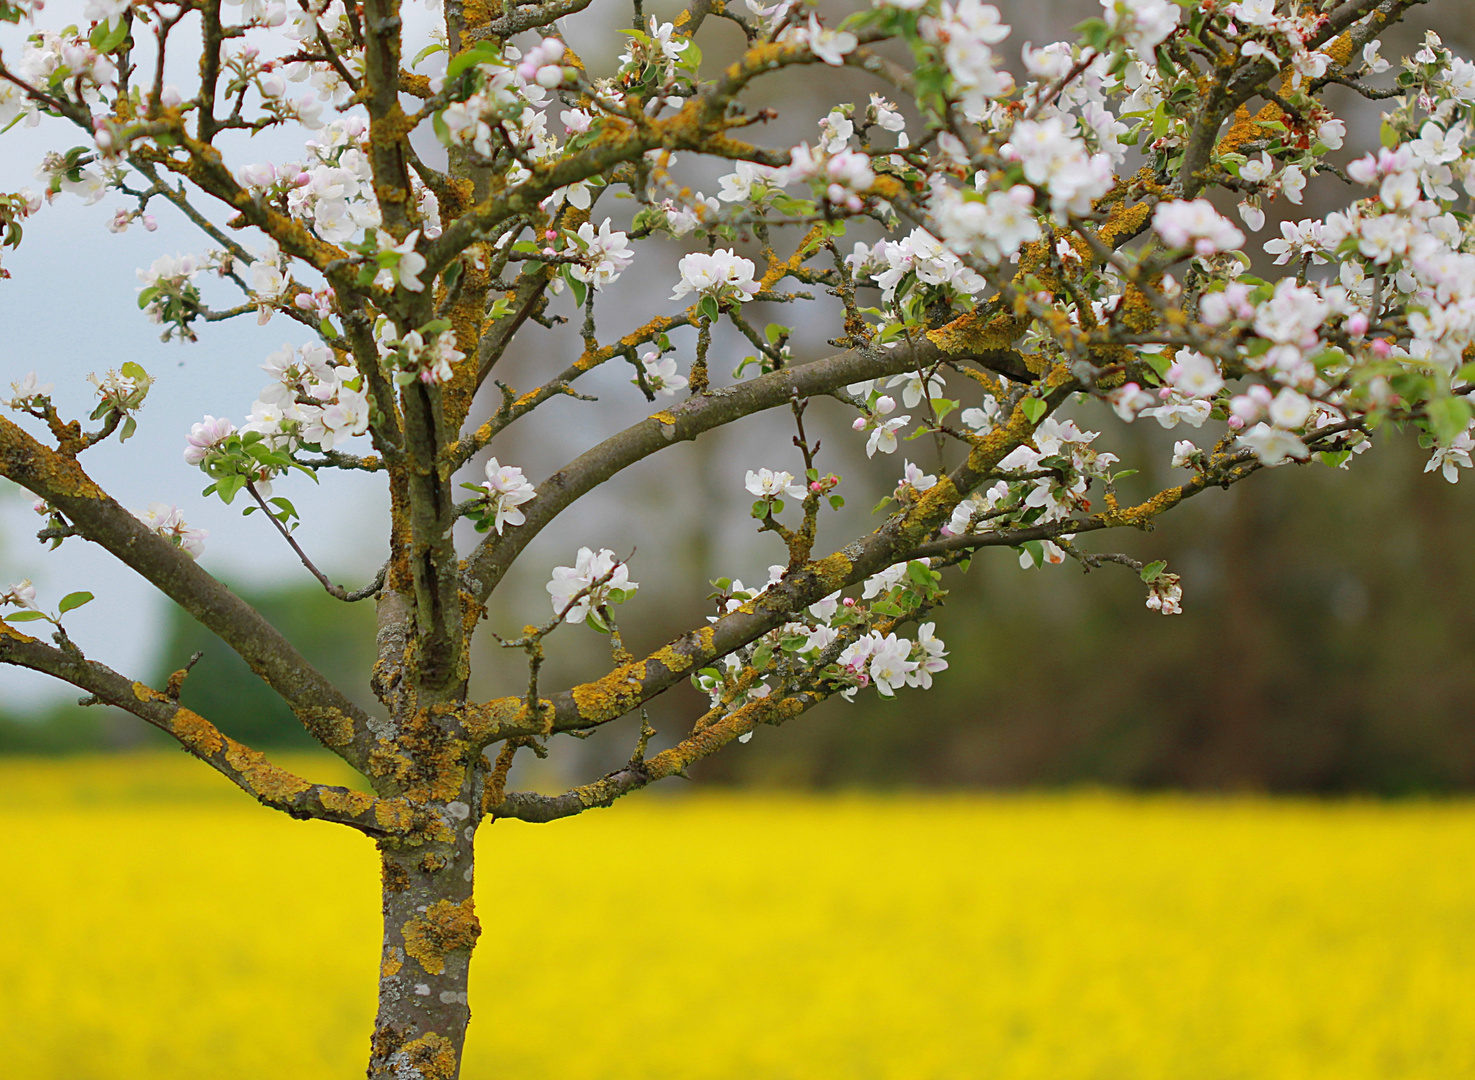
point(158, 926)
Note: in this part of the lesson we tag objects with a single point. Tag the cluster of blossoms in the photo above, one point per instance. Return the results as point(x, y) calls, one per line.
point(315, 400)
point(1054, 158)
point(834, 641)
point(917, 258)
point(964, 34)
point(165, 520)
point(168, 294)
point(721, 275)
point(429, 357)
point(504, 490)
point(596, 580)
point(603, 254)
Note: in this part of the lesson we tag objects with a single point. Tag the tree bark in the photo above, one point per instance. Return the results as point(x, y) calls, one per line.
point(430, 929)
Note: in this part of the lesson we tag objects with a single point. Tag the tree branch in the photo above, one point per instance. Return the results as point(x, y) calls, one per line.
point(248, 769)
point(681, 423)
point(324, 710)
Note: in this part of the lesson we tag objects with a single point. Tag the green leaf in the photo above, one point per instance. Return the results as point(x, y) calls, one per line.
point(109, 35)
point(836, 501)
point(1153, 570)
point(229, 487)
point(1448, 416)
point(130, 425)
point(594, 622)
point(1036, 552)
point(708, 308)
point(72, 601)
point(429, 50)
point(760, 509)
point(1034, 408)
point(25, 616)
point(481, 52)
point(580, 290)
point(919, 574)
point(1334, 458)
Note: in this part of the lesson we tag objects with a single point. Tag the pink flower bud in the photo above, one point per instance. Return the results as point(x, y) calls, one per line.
point(1235, 423)
point(150, 222)
point(1356, 325)
point(1381, 347)
point(859, 425)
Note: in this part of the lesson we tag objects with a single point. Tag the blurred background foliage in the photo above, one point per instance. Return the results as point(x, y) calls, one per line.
point(1323, 646)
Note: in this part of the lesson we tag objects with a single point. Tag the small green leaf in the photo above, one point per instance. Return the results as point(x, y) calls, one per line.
point(25, 616)
point(580, 290)
point(1448, 417)
point(72, 601)
point(1153, 570)
point(836, 501)
point(1034, 408)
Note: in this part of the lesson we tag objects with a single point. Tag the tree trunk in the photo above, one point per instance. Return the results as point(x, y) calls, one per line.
point(430, 928)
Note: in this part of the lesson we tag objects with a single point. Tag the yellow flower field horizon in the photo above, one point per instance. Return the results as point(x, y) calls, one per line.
point(159, 926)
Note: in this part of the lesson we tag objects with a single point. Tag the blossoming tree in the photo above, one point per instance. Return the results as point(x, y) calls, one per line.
point(1037, 243)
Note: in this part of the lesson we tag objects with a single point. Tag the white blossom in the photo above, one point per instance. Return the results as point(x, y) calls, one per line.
point(595, 575)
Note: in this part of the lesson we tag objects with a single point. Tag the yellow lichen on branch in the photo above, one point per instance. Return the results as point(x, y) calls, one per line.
point(443, 928)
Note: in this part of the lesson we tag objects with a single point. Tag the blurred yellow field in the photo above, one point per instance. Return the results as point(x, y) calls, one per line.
point(158, 926)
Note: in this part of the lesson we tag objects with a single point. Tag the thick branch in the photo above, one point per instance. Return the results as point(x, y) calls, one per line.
point(630, 685)
point(249, 770)
point(324, 710)
point(707, 740)
point(681, 423)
